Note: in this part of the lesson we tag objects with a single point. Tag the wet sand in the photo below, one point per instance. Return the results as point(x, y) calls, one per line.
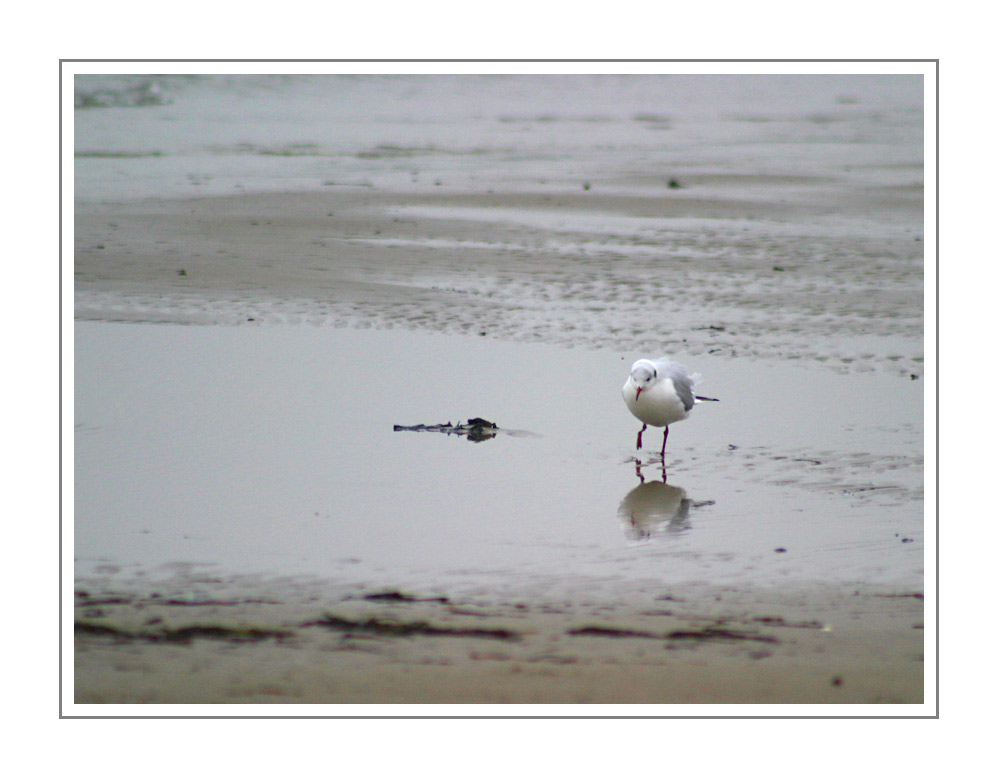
point(350, 259)
point(384, 647)
point(768, 268)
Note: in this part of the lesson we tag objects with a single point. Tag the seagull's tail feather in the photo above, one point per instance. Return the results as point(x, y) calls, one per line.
point(695, 379)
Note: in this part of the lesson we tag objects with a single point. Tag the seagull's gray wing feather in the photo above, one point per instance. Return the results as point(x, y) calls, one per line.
point(682, 380)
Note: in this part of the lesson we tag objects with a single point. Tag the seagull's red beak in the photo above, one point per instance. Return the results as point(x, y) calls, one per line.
point(638, 393)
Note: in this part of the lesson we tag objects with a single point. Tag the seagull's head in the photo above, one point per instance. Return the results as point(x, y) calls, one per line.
point(643, 374)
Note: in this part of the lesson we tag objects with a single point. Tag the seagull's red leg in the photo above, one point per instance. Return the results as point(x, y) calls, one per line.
point(643, 428)
point(665, 437)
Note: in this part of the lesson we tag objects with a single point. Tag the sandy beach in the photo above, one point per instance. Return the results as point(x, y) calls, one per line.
point(249, 528)
point(385, 647)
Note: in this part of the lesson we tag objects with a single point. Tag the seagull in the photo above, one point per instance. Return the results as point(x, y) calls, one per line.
point(660, 392)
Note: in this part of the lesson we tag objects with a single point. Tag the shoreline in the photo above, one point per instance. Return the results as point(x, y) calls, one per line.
point(394, 647)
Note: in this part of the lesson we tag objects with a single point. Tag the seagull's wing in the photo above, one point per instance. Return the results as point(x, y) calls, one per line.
point(682, 380)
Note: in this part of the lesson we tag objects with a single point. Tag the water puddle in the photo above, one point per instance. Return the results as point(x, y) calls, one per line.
point(273, 451)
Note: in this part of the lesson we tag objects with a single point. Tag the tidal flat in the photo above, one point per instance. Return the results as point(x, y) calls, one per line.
point(251, 326)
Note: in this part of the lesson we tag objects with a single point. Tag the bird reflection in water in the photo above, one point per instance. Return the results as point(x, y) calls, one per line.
point(655, 507)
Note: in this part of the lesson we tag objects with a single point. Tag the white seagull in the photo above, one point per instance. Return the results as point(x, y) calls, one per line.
point(659, 392)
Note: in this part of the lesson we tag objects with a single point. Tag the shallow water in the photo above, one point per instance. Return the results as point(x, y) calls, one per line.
point(271, 450)
point(220, 134)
